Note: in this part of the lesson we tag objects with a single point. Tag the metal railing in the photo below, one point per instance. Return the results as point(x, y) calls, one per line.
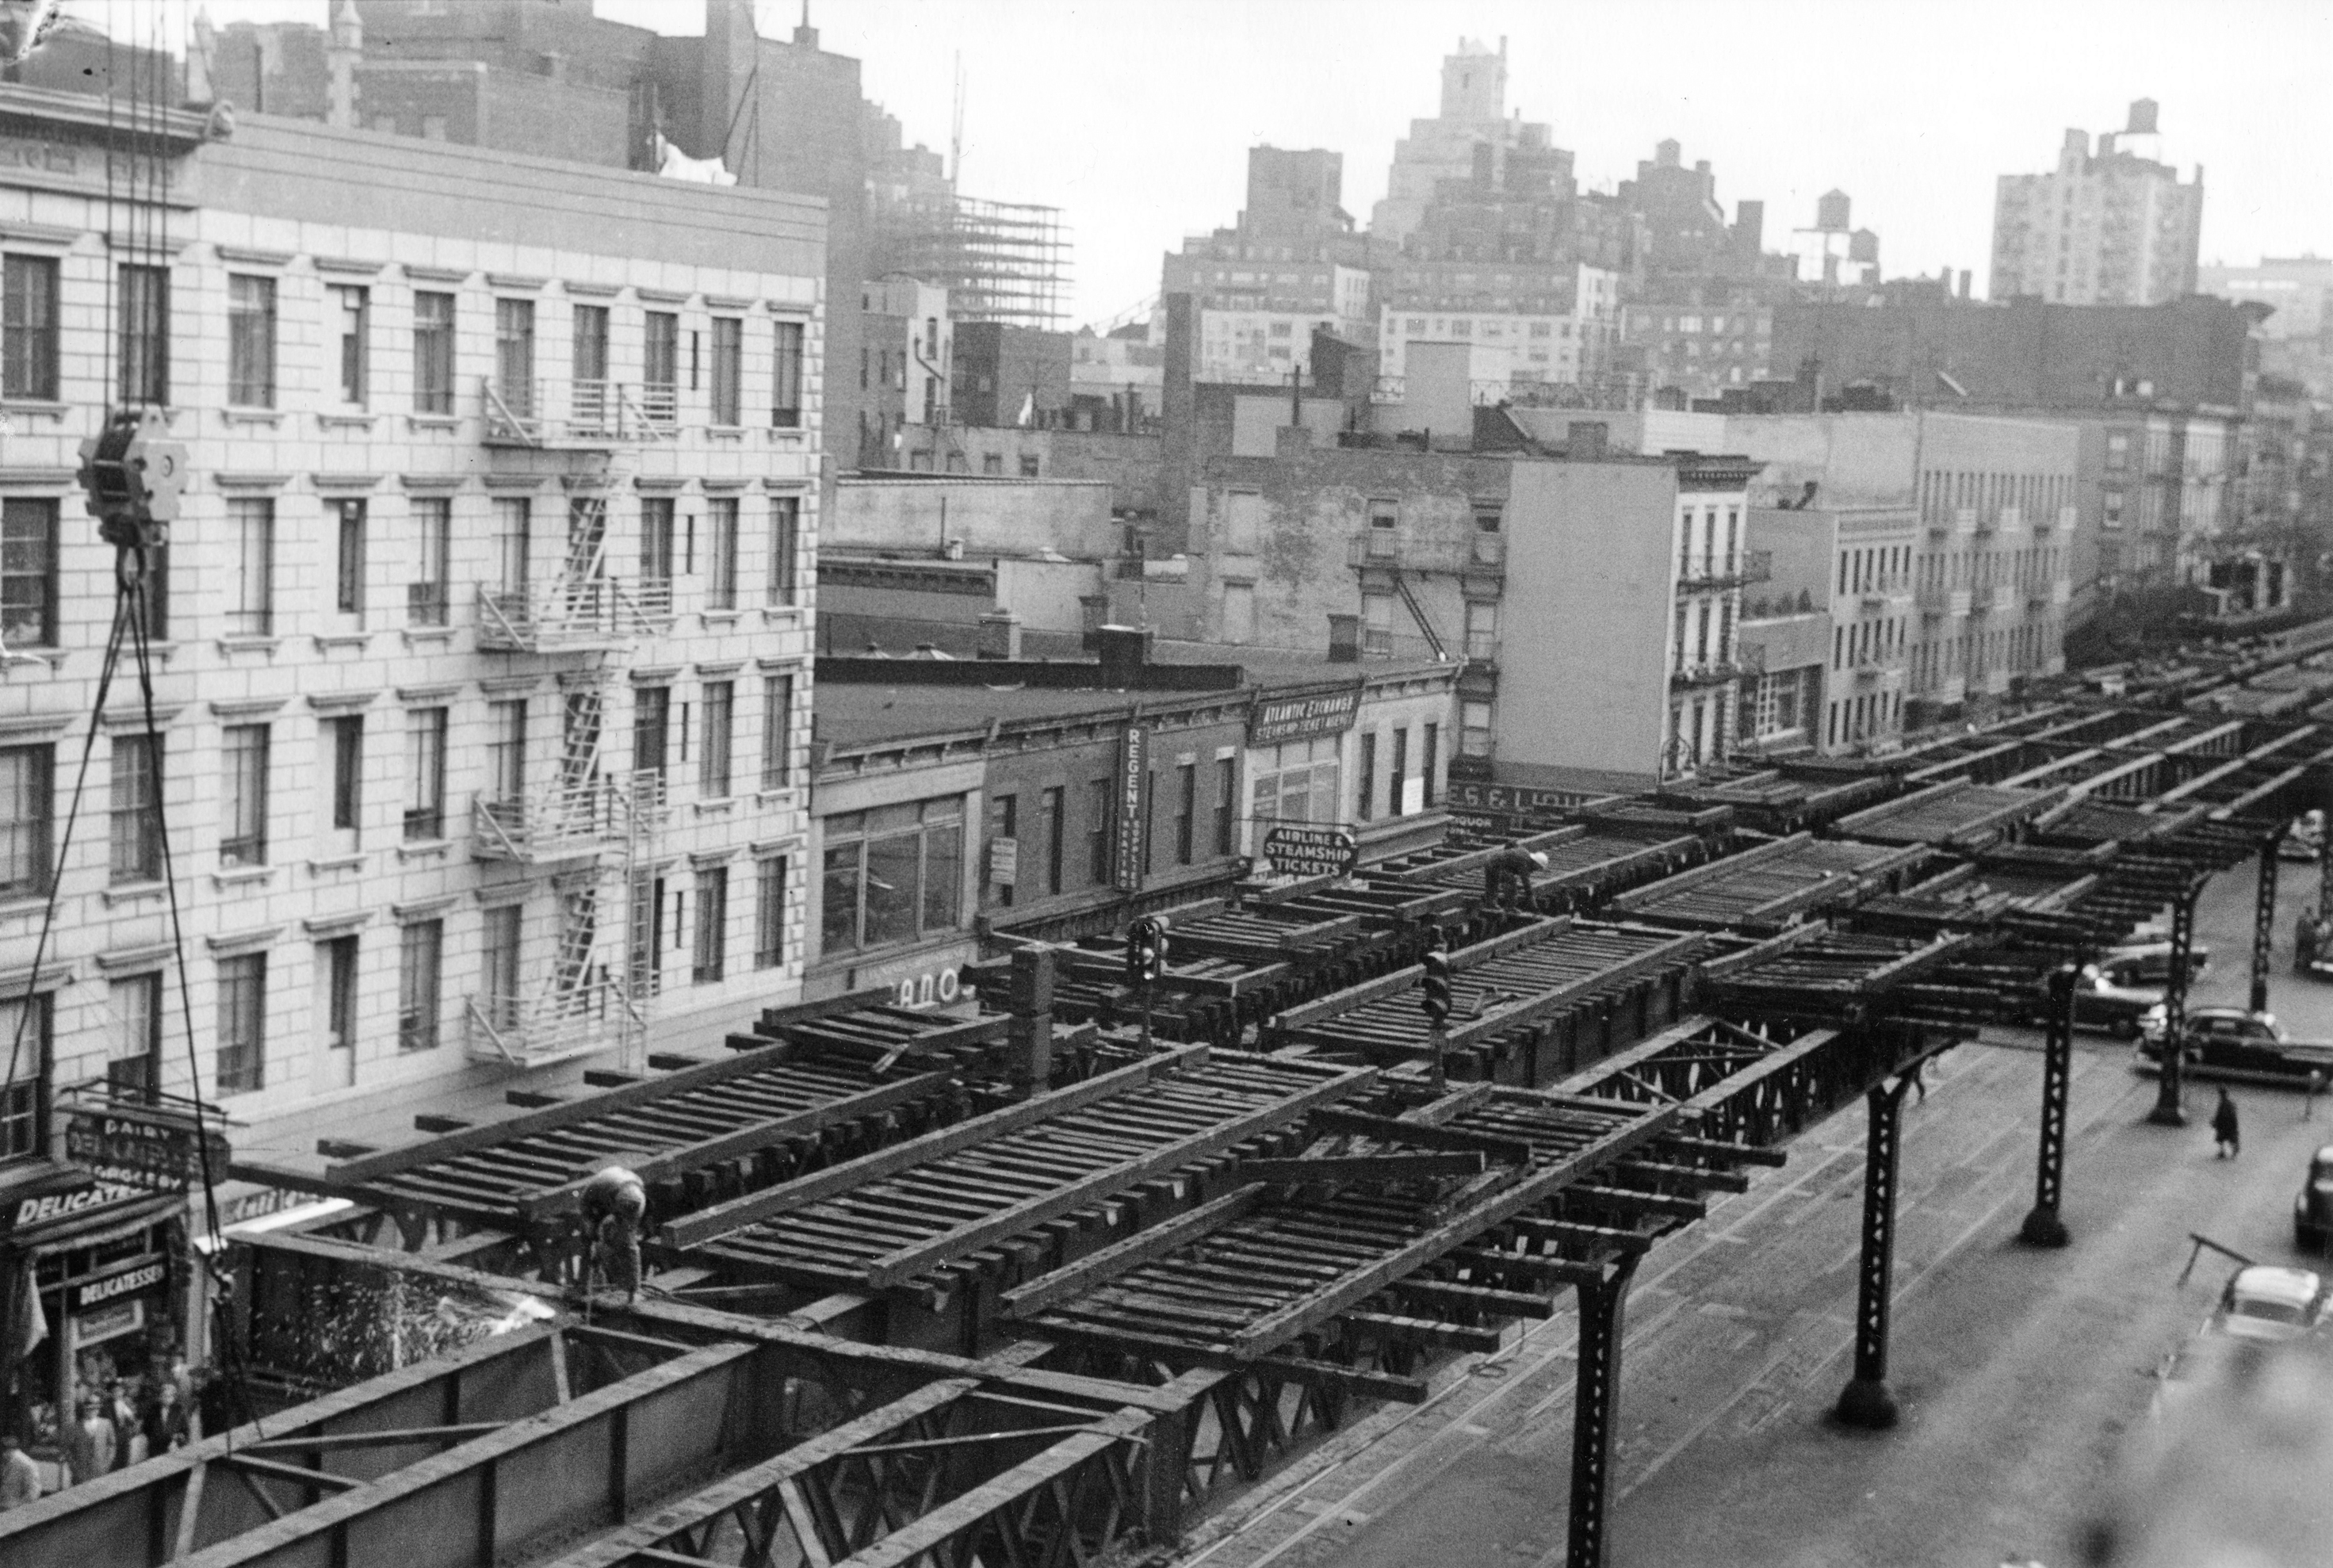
point(563, 822)
point(574, 613)
point(588, 412)
point(1746, 662)
point(1720, 570)
point(1943, 601)
point(1393, 549)
point(529, 1031)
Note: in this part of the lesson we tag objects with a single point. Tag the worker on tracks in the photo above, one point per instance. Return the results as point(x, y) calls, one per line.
point(615, 1207)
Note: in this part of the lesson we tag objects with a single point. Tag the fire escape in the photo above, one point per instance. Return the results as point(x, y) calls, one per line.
point(585, 830)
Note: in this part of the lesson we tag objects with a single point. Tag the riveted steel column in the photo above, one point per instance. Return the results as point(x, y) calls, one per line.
point(2264, 922)
point(2043, 1227)
point(2168, 1111)
point(1866, 1402)
point(1595, 1409)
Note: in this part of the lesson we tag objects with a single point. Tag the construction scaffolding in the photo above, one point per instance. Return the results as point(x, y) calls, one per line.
point(1000, 261)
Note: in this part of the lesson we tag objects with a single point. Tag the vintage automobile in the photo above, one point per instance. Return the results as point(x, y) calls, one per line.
point(2265, 1302)
point(2148, 962)
point(2239, 1044)
point(2304, 839)
point(2312, 1206)
point(2104, 1000)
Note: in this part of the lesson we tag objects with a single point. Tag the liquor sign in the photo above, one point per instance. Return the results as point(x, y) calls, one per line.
point(1515, 799)
point(1277, 719)
point(1129, 810)
point(143, 1148)
point(1298, 851)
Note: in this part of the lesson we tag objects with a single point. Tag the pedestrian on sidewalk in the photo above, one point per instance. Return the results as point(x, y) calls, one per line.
point(2308, 1100)
point(2224, 1127)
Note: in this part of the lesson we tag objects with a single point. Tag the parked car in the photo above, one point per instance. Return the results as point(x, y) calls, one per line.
point(2266, 1302)
point(2236, 1042)
point(2148, 962)
point(2104, 1001)
point(2303, 839)
point(2312, 1208)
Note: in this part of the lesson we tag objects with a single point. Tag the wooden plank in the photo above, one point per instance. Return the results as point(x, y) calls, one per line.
point(1364, 1168)
point(1096, 1268)
point(1424, 1330)
point(697, 1229)
point(1399, 980)
point(1512, 1304)
point(1677, 950)
point(903, 1264)
point(1390, 1129)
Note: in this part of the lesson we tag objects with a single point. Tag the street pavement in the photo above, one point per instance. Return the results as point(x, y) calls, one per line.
point(2018, 1371)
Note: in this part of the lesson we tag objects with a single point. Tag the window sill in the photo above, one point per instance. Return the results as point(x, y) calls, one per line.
point(328, 640)
point(735, 433)
point(271, 417)
point(252, 644)
point(721, 807)
point(784, 613)
point(126, 892)
point(41, 406)
point(433, 634)
point(22, 905)
point(350, 420)
point(425, 850)
point(720, 617)
point(243, 877)
point(777, 797)
point(414, 422)
point(49, 659)
point(336, 863)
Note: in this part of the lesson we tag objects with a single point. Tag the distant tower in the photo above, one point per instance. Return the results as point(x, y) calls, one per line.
point(1474, 82)
point(340, 60)
point(202, 44)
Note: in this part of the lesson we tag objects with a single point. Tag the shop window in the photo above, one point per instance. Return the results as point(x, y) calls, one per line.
point(892, 874)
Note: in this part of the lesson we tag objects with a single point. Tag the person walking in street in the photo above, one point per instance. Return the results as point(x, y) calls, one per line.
point(20, 1478)
point(2224, 1127)
point(2308, 1100)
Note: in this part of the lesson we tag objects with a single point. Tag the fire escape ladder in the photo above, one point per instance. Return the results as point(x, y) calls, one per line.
point(1417, 614)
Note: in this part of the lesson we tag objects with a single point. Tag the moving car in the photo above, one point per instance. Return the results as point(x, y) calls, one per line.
point(2237, 1043)
point(2266, 1302)
point(2148, 962)
point(2103, 1000)
point(2312, 1209)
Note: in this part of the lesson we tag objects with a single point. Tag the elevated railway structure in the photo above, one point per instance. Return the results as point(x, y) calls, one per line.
point(1016, 1287)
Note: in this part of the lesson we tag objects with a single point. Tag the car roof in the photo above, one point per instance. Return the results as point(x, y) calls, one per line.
point(2268, 1281)
point(2325, 1154)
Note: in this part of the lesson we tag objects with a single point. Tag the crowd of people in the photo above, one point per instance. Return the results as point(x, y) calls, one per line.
point(116, 1419)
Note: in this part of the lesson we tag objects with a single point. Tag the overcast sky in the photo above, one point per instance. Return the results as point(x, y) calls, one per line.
point(1135, 118)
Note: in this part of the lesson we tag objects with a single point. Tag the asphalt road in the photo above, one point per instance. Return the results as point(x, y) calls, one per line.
point(2018, 1371)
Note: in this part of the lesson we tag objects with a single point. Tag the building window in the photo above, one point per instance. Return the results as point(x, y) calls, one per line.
point(137, 808)
point(892, 874)
point(785, 547)
point(27, 829)
point(1029, 464)
point(1296, 782)
point(1052, 828)
point(349, 596)
point(657, 548)
point(1474, 730)
point(1364, 806)
point(786, 392)
point(345, 735)
point(253, 520)
point(433, 353)
point(728, 370)
point(1004, 840)
point(713, 781)
point(769, 912)
point(721, 582)
point(507, 749)
point(712, 926)
point(777, 729)
point(514, 542)
point(1377, 625)
point(993, 463)
point(429, 595)
point(421, 951)
point(660, 372)
point(134, 1053)
point(145, 296)
point(1398, 778)
point(499, 950)
point(28, 329)
point(353, 306)
point(28, 572)
point(241, 1062)
point(1482, 629)
point(251, 341)
point(1186, 812)
point(425, 774)
point(514, 355)
point(1226, 804)
point(24, 1096)
point(243, 802)
point(1102, 822)
point(1429, 755)
point(651, 724)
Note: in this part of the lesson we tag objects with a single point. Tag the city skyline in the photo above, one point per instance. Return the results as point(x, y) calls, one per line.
point(1043, 123)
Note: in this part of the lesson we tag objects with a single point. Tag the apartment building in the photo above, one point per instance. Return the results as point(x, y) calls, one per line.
point(1512, 347)
point(1832, 616)
point(2110, 227)
point(480, 647)
point(907, 359)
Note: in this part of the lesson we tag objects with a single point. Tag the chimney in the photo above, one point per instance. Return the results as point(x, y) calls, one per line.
point(1125, 653)
point(1344, 639)
point(1965, 282)
point(1000, 635)
point(1583, 440)
point(2142, 118)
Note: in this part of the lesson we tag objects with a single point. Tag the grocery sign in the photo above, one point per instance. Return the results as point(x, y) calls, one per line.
point(155, 1150)
point(1296, 851)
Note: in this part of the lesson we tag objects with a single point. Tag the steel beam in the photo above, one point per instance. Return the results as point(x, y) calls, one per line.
point(1866, 1402)
point(2264, 922)
point(2043, 1227)
point(1594, 1410)
point(2168, 1111)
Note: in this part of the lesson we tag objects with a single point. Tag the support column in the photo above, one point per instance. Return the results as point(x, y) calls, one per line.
point(2264, 922)
point(2324, 874)
point(2043, 1227)
point(1594, 1410)
point(1031, 1032)
point(1866, 1402)
point(2168, 1110)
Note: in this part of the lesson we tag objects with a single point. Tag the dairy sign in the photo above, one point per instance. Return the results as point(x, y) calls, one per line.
point(155, 1151)
point(1275, 719)
point(1296, 849)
